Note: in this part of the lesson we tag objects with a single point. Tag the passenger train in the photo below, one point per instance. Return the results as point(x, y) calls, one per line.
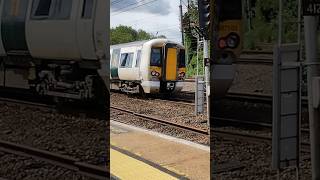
point(148, 67)
point(55, 48)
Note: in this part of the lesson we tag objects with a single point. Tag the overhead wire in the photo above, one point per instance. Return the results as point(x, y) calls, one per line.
point(144, 4)
point(117, 10)
point(116, 1)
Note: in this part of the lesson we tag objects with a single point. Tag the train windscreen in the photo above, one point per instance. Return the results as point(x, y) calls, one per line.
point(156, 57)
point(230, 10)
point(182, 59)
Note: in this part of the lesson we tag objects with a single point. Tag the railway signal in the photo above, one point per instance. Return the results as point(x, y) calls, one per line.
point(204, 16)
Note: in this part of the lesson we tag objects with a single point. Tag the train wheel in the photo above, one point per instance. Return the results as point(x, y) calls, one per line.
point(141, 92)
point(101, 101)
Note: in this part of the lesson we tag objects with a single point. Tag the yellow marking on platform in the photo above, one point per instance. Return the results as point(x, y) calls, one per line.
point(126, 167)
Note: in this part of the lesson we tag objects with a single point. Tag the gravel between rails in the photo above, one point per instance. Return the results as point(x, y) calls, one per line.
point(119, 116)
point(82, 138)
point(254, 160)
point(116, 115)
point(19, 167)
point(175, 112)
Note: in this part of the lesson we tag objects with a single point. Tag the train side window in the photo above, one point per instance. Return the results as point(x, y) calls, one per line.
point(138, 60)
point(126, 60)
point(156, 57)
point(87, 9)
point(41, 8)
point(62, 9)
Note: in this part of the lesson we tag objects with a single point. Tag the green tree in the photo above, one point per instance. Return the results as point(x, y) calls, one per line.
point(125, 34)
point(265, 23)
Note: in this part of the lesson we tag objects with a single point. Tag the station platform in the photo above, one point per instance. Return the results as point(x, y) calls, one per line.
point(142, 154)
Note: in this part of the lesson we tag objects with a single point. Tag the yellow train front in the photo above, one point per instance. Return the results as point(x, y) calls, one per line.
point(151, 66)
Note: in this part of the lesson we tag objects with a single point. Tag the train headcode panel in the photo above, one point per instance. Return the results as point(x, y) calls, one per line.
point(311, 7)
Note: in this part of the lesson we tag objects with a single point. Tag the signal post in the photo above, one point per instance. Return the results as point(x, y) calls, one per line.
point(204, 22)
point(311, 11)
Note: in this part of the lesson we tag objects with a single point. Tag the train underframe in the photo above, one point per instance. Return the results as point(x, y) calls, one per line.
point(146, 87)
point(62, 80)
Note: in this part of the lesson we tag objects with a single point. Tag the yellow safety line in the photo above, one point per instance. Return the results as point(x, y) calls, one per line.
point(126, 167)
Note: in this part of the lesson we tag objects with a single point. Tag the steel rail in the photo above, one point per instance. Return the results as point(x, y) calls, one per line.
point(67, 162)
point(164, 122)
point(28, 103)
point(305, 146)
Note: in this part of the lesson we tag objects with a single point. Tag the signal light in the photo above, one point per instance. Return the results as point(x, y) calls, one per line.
point(222, 43)
point(233, 40)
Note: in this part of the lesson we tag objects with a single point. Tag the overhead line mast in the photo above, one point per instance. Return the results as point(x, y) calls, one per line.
point(181, 22)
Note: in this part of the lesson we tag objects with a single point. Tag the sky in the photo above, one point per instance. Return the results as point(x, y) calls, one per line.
point(158, 17)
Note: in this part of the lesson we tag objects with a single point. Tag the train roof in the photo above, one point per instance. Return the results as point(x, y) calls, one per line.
point(136, 43)
point(141, 43)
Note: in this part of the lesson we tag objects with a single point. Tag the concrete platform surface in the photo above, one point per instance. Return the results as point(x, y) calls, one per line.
point(141, 154)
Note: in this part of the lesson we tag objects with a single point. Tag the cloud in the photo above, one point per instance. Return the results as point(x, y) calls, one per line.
point(161, 7)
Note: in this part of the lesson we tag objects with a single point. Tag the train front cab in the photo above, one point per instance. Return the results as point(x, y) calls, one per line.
point(229, 46)
point(167, 69)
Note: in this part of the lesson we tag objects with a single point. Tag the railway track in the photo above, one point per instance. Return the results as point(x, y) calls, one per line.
point(66, 162)
point(164, 122)
point(14, 101)
point(215, 132)
point(241, 123)
point(258, 98)
point(227, 134)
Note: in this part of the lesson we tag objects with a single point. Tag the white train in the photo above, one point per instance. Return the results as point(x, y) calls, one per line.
point(55, 47)
point(151, 66)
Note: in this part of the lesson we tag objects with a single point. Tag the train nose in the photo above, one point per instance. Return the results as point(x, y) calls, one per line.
point(222, 76)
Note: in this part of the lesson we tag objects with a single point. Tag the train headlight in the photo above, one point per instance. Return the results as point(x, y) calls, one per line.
point(182, 75)
point(155, 73)
point(233, 40)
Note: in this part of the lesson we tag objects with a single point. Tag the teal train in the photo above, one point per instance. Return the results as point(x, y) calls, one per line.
point(55, 48)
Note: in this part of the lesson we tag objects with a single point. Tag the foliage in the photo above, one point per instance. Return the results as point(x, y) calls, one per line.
point(190, 18)
point(125, 34)
point(264, 28)
point(192, 65)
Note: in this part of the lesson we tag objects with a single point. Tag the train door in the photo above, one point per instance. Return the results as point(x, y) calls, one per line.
point(170, 62)
point(2, 50)
point(138, 75)
point(101, 22)
point(85, 29)
point(13, 25)
point(115, 63)
point(126, 69)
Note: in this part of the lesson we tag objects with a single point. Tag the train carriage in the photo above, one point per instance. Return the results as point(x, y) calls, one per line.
point(151, 66)
point(55, 47)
